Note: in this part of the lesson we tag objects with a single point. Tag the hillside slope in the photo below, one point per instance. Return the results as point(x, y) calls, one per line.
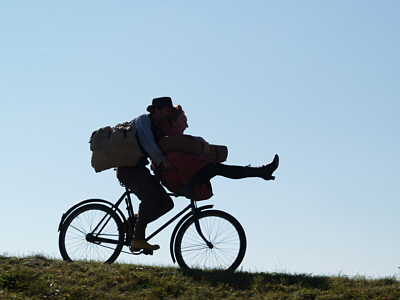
point(37, 277)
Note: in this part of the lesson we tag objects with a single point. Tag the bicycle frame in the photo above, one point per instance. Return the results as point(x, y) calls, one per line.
point(193, 213)
point(127, 196)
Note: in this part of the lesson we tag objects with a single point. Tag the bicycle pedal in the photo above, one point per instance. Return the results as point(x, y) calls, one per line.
point(147, 251)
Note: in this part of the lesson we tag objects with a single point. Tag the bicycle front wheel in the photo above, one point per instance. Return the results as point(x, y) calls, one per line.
point(93, 232)
point(227, 245)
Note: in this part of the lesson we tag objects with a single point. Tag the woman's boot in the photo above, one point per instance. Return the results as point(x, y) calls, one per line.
point(266, 171)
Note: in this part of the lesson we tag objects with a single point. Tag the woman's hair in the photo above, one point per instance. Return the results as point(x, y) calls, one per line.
point(177, 111)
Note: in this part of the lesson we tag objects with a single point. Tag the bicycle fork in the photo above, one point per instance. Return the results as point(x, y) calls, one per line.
point(197, 225)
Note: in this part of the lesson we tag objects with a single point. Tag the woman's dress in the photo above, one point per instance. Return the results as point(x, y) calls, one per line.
point(186, 166)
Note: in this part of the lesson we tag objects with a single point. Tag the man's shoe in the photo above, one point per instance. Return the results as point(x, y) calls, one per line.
point(138, 245)
point(267, 170)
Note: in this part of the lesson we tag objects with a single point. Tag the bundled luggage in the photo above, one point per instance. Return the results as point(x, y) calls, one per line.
point(118, 146)
point(115, 147)
point(190, 145)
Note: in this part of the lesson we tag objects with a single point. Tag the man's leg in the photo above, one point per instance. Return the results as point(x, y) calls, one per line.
point(164, 205)
point(154, 200)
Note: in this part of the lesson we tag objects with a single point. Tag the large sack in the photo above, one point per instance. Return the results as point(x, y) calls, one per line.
point(190, 145)
point(115, 147)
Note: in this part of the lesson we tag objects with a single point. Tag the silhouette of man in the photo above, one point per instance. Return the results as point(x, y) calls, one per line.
point(154, 200)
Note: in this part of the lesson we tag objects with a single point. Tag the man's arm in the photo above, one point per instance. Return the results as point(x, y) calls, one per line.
point(146, 139)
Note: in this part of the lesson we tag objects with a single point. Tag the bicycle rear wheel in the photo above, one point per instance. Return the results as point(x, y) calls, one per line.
point(93, 232)
point(224, 232)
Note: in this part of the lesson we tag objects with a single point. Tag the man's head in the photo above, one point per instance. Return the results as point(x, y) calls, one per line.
point(160, 108)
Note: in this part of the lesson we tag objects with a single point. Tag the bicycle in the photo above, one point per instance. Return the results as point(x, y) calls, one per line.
point(204, 238)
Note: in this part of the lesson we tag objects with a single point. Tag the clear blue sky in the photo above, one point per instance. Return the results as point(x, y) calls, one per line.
point(317, 82)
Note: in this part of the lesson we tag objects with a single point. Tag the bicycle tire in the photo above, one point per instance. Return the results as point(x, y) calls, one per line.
point(225, 234)
point(74, 239)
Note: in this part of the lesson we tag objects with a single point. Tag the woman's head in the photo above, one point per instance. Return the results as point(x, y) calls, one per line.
point(178, 119)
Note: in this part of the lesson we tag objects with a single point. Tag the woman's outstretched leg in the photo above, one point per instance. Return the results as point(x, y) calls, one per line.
point(233, 172)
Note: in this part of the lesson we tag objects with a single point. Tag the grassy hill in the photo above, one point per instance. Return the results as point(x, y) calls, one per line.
point(37, 277)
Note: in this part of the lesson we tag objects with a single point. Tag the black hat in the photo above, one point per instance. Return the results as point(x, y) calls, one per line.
point(160, 102)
